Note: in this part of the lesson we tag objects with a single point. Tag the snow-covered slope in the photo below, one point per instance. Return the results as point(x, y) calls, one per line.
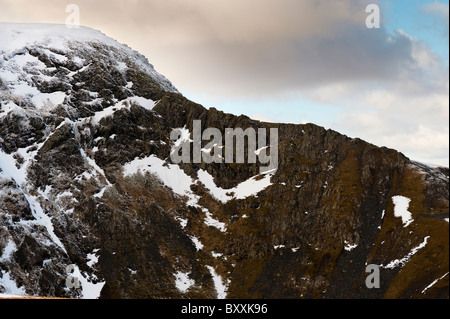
point(54, 79)
point(19, 67)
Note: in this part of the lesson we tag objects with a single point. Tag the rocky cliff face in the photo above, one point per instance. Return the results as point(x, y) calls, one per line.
point(92, 206)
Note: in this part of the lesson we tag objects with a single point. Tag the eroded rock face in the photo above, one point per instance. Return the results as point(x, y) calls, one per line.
point(86, 183)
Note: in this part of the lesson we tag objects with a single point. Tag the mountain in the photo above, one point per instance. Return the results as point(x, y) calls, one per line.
point(92, 204)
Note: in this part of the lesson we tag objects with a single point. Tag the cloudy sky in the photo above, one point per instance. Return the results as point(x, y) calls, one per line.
point(293, 61)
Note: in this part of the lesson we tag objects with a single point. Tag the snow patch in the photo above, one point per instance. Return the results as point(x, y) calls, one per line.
point(93, 258)
point(183, 282)
point(401, 262)
point(89, 290)
point(9, 169)
point(248, 188)
point(171, 175)
point(216, 255)
point(9, 249)
point(210, 221)
point(401, 205)
point(198, 245)
point(10, 285)
point(433, 283)
point(349, 247)
point(183, 221)
point(145, 103)
point(219, 284)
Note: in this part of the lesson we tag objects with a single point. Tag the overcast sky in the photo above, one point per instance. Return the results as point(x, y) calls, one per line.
point(292, 61)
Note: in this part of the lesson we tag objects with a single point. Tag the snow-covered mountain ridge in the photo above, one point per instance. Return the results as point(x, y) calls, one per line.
point(91, 205)
point(65, 47)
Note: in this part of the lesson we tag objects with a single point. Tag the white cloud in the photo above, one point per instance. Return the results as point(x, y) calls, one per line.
point(440, 12)
point(416, 125)
point(437, 8)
